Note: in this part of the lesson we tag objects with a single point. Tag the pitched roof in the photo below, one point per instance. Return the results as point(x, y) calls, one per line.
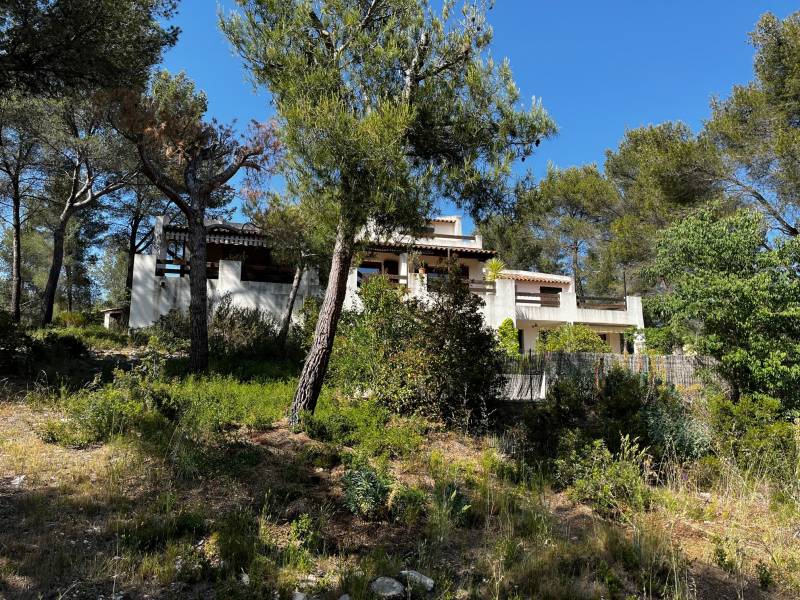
point(460, 250)
point(534, 276)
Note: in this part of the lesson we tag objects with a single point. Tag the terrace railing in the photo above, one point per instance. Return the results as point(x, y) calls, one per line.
point(180, 268)
point(539, 299)
point(399, 280)
point(602, 303)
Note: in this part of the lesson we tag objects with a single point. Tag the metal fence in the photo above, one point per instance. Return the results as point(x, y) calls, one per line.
point(527, 377)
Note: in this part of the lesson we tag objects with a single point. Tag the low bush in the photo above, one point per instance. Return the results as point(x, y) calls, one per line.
point(71, 319)
point(757, 432)
point(407, 505)
point(572, 338)
point(437, 359)
point(16, 348)
point(240, 331)
point(623, 404)
point(365, 491)
point(364, 425)
point(613, 484)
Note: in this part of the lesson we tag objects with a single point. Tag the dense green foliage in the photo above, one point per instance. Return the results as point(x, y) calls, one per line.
point(435, 358)
point(743, 290)
point(578, 410)
point(508, 338)
point(572, 338)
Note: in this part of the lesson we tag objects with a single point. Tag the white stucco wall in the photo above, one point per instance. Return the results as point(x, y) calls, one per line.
point(154, 296)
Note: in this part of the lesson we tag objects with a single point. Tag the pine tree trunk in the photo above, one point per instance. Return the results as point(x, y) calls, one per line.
point(286, 319)
point(129, 268)
point(198, 302)
point(16, 262)
point(55, 272)
point(68, 274)
point(316, 364)
point(576, 272)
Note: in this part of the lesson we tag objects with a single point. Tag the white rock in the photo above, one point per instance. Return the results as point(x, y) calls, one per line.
point(18, 480)
point(299, 596)
point(417, 581)
point(388, 588)
point(344, 597)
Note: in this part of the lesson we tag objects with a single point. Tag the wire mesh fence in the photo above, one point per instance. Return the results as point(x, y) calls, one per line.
point(528, 376)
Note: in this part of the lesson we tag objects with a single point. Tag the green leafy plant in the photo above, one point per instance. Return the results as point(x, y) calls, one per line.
point(613, 483)
point(365, 491)
point(508, 338)
point(494, 266)
point(573, 338)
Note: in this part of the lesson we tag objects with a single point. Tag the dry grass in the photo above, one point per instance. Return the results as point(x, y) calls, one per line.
point(86, 523)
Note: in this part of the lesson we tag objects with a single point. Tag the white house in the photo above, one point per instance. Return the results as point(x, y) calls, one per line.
point(534, 301)
point(239, 264)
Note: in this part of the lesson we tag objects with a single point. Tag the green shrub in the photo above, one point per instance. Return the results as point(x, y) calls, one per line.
point(613, 483)
point(236, 539)
point(171, 333)
point(573, 338)
point(71, 319)
point(365, 491)
point(507, 338)
point(407, 505)
point(623, 404)
point(366, 426)
point(437, 359)
point(240, 331)
point(17, 349)
point(757, 433)
point(672, 430)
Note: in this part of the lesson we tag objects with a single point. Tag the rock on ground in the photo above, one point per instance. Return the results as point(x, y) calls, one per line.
point(417, 581)
point(387, 588)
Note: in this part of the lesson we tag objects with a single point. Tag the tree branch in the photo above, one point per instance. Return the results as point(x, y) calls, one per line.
point(163, 182)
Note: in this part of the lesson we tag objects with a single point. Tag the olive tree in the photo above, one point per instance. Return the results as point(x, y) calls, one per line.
point(385, 106)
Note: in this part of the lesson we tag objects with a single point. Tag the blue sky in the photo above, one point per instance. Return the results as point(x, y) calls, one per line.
point(600, 67)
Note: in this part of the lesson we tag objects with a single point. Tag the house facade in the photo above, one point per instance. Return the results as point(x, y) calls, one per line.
point(240, 266)
point(535, 302)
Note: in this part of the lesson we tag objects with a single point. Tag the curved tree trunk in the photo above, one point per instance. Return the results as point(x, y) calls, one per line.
point(316, 364)
point(55, 272)
point(16, 262)
point(286, 319)
point(198, 302)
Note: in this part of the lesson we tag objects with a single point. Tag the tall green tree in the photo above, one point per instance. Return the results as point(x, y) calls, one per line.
point(21, 178)
point(296, 241)
point(574, 202)
point(191, 160)
point(384, 106)
point(87, 161)
point(722, 275)
point(656, 172)
point(49, 47)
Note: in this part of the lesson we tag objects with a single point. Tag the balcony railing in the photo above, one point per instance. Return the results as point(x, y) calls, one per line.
point(476, 286)
point(179, 267)
point(400, 280)
point(602, 303)
point(539, 299)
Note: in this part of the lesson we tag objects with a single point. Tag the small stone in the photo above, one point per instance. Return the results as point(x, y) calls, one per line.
point(416, 580)
point(18, 480)
point(299, 595)
point(344, 597)
point(705, 496)
point(388, 588)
